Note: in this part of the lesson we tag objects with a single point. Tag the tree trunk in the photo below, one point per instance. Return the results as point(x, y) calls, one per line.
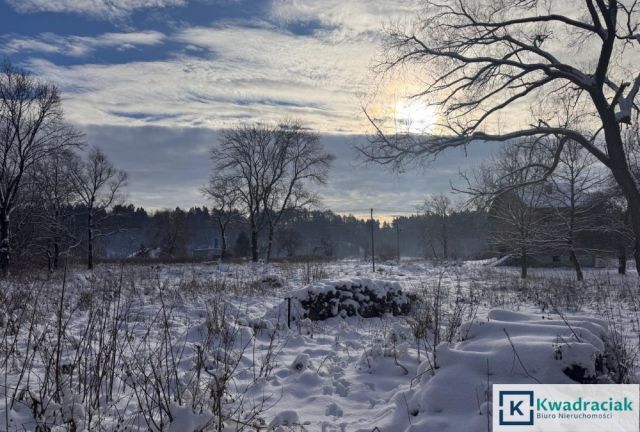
point(576, 264)
point(90, 241)
point(56, 254)
point(223, 238)
point(433, 250)
point(269, 244)
point(254, 241)
point(620, 168)
point(223, 244)
point(632, 195)
point(4, 244)
point(56, 243)
point(523, 264)
point(445, 243)
point(622, 261)
point(636, 253)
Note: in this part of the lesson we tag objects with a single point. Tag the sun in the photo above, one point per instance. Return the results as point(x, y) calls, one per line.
point(415, 117)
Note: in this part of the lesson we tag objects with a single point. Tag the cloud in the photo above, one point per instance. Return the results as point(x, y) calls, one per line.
point(226, 74)
point(304, 59)
point(78, 46)
point(109, 9)
point(167, 167)
point(345, 17)
point(355, 187)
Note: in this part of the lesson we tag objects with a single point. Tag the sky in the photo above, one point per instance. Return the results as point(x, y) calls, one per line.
point(151, 82)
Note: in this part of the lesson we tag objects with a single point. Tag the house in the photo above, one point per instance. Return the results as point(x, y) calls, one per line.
point(211, 251)
point(533, 224)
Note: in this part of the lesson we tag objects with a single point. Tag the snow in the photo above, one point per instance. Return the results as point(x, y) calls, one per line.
point(185, 420)
point(284, 418)
point(349, 372)
point(301, 363)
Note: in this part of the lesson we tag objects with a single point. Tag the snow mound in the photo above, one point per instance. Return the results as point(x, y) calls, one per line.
point(185, 420)
point(508, 348)
point(284, 418)
point(357, 297)
point(502, 261)
point(300, 363)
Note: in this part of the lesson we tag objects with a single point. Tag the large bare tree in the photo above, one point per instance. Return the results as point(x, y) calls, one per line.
point(271, 168)
point(57, 195)
point(98, 185)
point(301, 161)
point(31, 128)
point(490, 65)
point(242, 157)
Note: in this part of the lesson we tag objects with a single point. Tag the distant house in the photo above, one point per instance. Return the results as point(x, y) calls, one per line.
point(558, 259)
point(213, 251)
point(535, 221)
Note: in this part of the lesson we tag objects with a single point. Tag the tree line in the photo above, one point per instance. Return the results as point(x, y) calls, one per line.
point(127, 232)
point(46, 169)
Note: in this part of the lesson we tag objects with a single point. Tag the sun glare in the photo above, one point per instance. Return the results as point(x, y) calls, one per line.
point(415, 117)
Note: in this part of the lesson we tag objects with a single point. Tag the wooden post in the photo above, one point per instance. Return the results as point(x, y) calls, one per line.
point(373, 249)
point(398, 237)
point(289, 312)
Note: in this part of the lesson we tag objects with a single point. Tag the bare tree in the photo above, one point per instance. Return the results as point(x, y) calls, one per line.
point(487, 58)
point(576, 183)
point(31, 128)
point(171, 233)
point(242, 157)
point(225, 197)
point(440, 208)
point(618, 227)
point(508, 186)
point(300, 161)
point(98, 185)
point(57, 195)
point(270, 167)
point(289, 240)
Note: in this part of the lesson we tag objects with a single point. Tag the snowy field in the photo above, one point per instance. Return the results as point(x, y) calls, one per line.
point(203, 347)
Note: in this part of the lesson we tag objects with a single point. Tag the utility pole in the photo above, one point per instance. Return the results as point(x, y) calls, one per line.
point(373, 249)
point(398, 237)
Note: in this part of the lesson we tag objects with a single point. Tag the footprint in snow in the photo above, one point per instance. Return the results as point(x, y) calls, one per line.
point(333, 410)
point(342, 387)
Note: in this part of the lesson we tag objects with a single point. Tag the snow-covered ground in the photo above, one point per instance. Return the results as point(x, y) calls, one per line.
point(207, 347)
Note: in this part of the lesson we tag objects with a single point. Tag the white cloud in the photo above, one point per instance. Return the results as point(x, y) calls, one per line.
point(260, 74)
point(77, 45)
point(98, 8)
point(250, 71)
point(132, 38)
point(346, 17)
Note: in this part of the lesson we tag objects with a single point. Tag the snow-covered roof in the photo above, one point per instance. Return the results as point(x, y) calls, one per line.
point(552, 195)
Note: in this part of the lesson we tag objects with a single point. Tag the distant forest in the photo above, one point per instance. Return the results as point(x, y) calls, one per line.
point(129, 232)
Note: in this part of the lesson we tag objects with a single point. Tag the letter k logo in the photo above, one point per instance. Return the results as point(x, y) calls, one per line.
point(514, 407)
